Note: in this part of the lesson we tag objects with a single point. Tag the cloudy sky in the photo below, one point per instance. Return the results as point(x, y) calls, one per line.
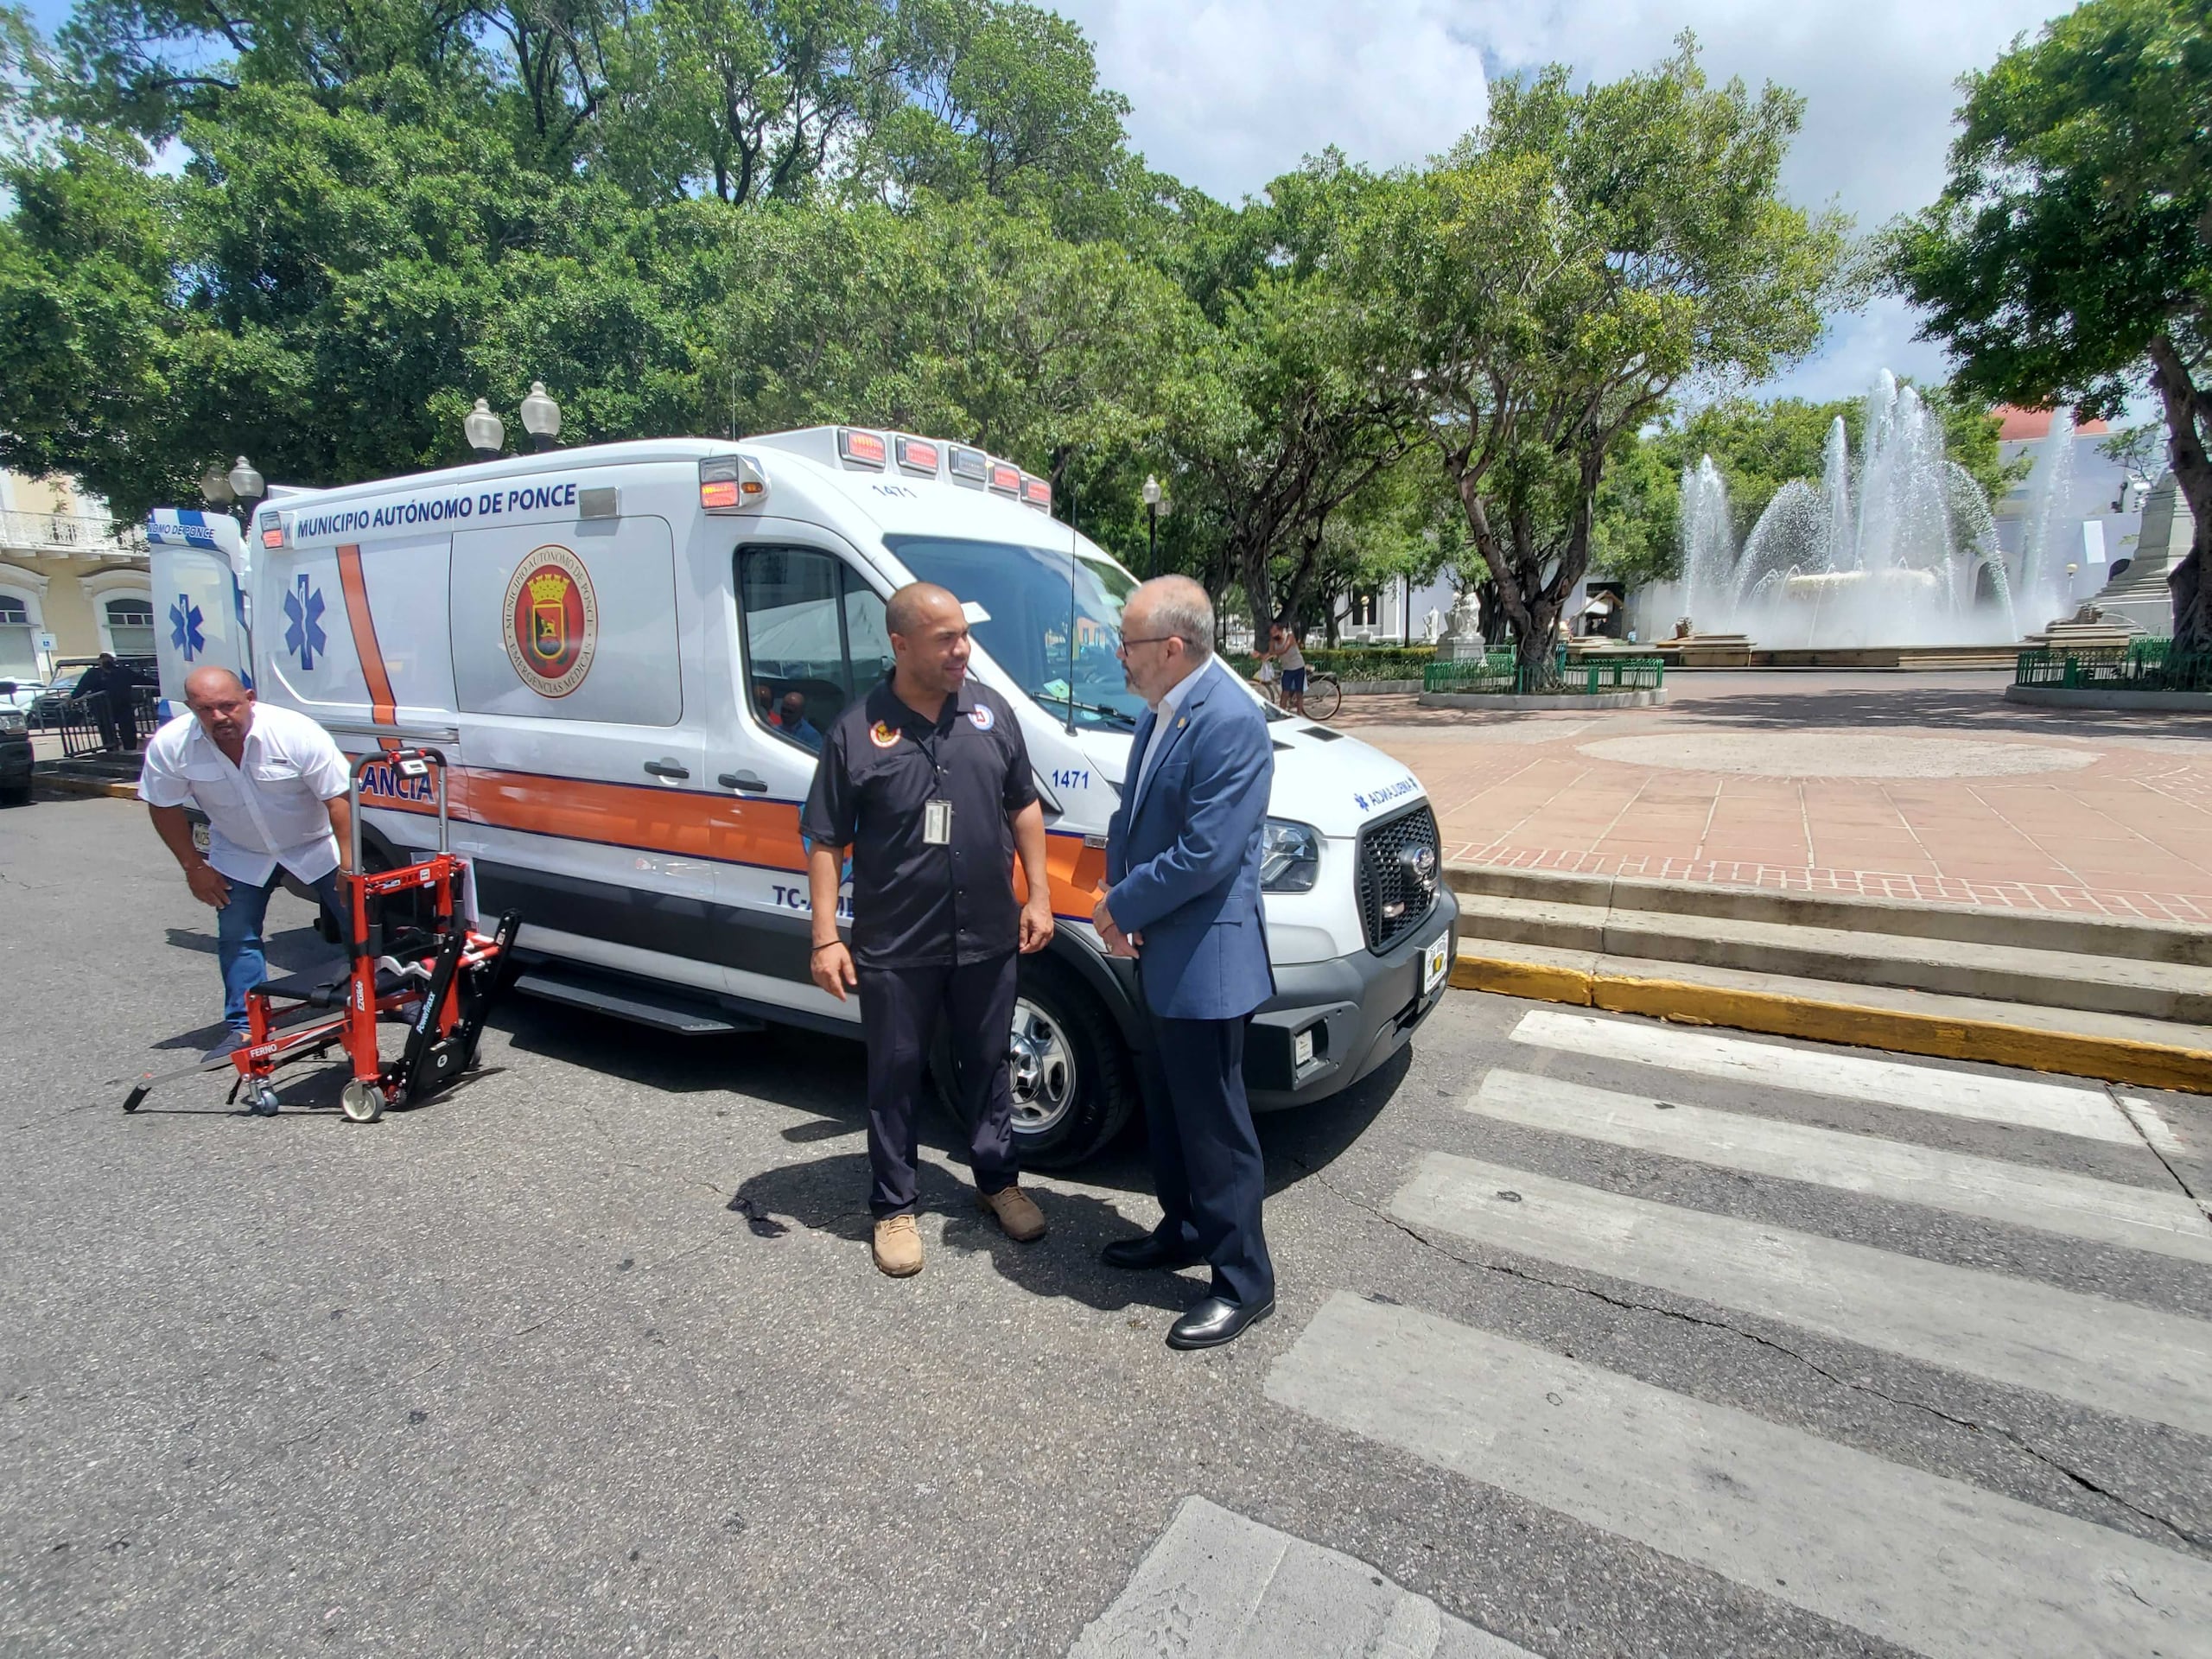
point(1229, 93)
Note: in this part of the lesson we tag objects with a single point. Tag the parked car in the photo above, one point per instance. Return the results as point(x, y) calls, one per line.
point(15, 756)
point(20, 694)
point(46, 707)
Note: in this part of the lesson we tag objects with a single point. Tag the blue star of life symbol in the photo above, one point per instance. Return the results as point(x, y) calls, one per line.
point(185, 618)
point(303, 635)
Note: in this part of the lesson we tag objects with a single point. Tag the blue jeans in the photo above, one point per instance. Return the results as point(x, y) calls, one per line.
point(238, 938)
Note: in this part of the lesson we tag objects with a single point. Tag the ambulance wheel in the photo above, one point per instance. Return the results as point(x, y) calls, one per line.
point(1074, 1087)
point(362, 1102)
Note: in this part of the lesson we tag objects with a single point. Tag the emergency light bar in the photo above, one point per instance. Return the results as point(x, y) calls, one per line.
point(1038, 494)
point(272, 530)
point(972, 464)
point(731, 483)
point(917, 455)
point(861, 448)
point(1005, 479)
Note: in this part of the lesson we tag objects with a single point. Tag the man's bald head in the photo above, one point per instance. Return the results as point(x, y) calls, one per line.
point(203, 683)
point(916, 605)
point(222, 705)
point(929, 639)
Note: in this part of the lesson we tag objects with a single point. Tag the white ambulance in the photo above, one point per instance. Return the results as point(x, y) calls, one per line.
point(629, 654)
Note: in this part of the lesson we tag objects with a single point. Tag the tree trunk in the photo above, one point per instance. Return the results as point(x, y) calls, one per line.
point(1538, 647)
point(2187, 409)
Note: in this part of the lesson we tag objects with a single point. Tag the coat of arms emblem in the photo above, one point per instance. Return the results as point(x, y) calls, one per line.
point(552, 621)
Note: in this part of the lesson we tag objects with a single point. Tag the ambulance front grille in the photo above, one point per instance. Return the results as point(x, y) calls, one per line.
point(1400, 870)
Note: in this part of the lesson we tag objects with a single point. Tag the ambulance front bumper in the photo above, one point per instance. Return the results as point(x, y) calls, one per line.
point(1331, 1023)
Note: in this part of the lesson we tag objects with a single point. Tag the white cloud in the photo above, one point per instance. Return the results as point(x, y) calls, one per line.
point(1229, 93)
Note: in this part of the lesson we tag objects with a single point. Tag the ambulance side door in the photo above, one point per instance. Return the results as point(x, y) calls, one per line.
point(588, 808)
point(806, 638)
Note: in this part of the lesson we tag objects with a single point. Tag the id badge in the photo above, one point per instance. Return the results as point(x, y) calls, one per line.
point(936, 823)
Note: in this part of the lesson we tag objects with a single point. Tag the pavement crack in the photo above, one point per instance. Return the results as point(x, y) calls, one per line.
point(2195, 1542)
point(2120, 1105)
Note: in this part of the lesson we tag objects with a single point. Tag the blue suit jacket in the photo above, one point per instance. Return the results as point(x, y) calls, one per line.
point(1183, 855)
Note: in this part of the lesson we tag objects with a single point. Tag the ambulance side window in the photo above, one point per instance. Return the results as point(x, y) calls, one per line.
point(814, 639)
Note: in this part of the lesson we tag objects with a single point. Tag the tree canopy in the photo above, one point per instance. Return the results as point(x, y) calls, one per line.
point(2069, 258)
point(315, 230)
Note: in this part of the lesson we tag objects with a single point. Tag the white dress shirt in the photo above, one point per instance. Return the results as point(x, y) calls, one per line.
point(268, 810)
point(1164, 719)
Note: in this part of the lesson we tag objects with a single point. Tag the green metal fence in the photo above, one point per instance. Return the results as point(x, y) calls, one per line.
point(1499, 674)
point(2145, 665)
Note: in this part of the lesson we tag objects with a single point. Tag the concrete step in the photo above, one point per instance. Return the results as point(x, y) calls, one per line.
point(2122, 1048)
point(2089, 936)
point(2163, 991)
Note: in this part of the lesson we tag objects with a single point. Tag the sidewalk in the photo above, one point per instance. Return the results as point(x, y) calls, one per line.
point(1923, 787)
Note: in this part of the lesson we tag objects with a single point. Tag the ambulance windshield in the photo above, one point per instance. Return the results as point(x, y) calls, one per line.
point(1023, 592)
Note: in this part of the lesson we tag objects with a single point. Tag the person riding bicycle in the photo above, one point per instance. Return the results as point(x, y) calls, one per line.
point(1283, 652)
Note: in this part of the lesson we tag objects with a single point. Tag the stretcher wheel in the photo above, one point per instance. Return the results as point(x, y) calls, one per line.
point(362, 1102)
point(262, 1098)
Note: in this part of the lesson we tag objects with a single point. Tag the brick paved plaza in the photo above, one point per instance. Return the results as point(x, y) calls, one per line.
point(1903, 786)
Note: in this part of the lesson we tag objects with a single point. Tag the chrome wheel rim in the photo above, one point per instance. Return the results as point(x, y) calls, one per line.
point(1040, 1070)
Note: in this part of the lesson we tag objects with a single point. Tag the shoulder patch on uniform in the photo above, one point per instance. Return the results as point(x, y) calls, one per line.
point(981, 715)
point(882, 735)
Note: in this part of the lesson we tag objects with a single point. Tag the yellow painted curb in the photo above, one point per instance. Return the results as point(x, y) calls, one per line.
point(2114, 1059)
point(84, 788)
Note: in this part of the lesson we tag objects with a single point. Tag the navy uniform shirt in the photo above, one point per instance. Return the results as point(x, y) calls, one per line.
point(915, 905)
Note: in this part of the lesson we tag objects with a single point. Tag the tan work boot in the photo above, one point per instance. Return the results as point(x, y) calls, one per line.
point(898, 1247)
point(1017, 1212)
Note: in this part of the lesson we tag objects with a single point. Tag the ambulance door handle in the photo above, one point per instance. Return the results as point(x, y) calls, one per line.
point(744, 781)
point(668, 769)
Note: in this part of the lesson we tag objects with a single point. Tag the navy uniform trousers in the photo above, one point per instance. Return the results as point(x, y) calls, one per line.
point(900, 1009)
point(1206, 1156)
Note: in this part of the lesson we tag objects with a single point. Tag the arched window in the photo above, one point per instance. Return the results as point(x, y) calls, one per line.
point(129, 624)
point(18, 655)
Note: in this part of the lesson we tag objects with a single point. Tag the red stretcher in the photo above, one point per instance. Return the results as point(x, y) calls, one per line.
point(415, 960)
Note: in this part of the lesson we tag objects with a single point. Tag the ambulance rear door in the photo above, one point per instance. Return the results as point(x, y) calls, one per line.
point(588, 802)
point(198, 565)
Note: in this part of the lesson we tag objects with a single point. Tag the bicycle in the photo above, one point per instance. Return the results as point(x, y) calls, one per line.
point(1325, 695)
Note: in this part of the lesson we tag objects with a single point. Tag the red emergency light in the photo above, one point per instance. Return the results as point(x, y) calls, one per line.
point(917, 455)
point(1006, 480)
point(1038, 493)
point(862, 448)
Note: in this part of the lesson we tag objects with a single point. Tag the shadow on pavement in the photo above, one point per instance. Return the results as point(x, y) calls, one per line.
point(829, 1195)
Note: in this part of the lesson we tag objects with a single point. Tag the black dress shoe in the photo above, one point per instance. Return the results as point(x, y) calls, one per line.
point(1216, 1320)
point(1150, 1251)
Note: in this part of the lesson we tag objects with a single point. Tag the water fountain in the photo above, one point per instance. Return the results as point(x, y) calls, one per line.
point(1899, 551)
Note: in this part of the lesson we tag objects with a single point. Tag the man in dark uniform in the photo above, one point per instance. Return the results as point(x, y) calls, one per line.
point(927, 780)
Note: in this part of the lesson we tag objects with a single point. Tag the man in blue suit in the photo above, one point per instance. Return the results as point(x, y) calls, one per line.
point(1183, 898)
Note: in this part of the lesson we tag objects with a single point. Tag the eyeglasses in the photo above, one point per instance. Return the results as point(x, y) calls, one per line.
point(1122, 648)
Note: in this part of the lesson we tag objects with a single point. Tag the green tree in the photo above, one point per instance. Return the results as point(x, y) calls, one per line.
point(1283, 420)
point(2069, 258)
point(1544, 289)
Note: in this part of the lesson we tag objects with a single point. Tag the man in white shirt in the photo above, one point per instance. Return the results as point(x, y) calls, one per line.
point(273, 786)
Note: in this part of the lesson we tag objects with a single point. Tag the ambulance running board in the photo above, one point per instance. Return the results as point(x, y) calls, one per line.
point(631, 1000)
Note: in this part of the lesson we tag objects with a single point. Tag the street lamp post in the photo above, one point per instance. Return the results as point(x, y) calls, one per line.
point(541, 418)
point(487, 433)
point(235, 492)
point(1155, 503)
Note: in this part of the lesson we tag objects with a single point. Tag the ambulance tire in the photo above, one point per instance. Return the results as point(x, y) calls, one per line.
point(15, 795)
point(1065, 1043)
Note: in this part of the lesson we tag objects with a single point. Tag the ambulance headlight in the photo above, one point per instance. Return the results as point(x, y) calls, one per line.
point(1290, 856)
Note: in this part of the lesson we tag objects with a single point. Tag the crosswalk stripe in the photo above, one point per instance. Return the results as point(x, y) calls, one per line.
point(1217, 1585)
point(1928, 1563)
point(2055, 1201)
point(2061, 1107)
point(2113, 1356)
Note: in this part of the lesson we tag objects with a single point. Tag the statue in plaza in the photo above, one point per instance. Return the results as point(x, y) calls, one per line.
point(1432, 625)
point(1463, 630)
